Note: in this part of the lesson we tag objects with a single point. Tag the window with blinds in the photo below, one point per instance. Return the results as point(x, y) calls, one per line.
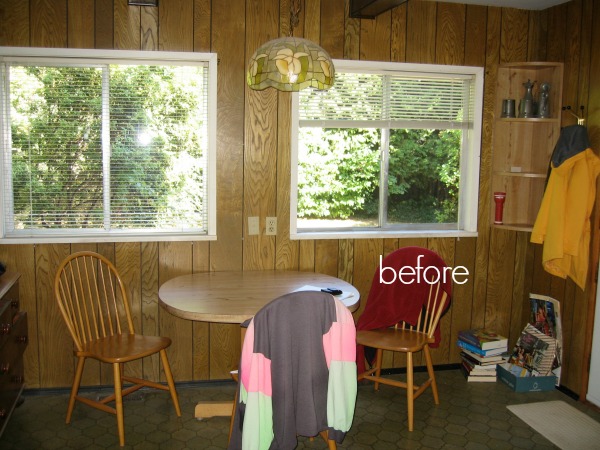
point(107, 144)
point(391, 148)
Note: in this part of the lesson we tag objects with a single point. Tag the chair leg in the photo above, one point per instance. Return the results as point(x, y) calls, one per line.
point(378, 362)
point(119, 403)
point(75, 387)
point(331, 445)
point(410, 391)
point(434, 389)
point(170, 382)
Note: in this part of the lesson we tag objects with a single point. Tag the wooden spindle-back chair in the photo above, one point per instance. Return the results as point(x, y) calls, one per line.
point(409, 338)
point(94, 305)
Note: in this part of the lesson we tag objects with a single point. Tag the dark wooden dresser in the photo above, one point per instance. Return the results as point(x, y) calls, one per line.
point(13, 341)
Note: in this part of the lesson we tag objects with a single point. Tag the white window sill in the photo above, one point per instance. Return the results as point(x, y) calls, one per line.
point(75, 239)
point(337, 234)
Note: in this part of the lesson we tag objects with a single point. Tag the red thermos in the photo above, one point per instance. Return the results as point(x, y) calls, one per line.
point(499, 198)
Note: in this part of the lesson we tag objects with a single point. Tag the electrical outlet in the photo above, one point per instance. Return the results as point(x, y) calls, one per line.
point(252, 225)
point(271, 226)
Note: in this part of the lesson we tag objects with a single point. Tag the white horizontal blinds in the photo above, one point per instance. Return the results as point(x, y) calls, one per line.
point(394, 100)
point(55, 150)
point(159, 145)
point(150, 175)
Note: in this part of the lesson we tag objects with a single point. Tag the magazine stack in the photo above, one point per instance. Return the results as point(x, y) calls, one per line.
point(538, 350)
point(481, 351)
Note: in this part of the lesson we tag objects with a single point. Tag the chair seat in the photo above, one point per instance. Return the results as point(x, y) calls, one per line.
point(121, 348)
point(394, 339)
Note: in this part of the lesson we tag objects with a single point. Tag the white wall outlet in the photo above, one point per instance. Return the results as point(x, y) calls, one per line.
point(271, 226)
point(253, 225)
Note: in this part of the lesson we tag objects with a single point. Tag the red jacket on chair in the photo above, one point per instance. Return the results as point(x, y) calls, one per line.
point(401, 299)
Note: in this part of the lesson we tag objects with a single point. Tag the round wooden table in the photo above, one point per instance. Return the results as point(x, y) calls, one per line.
point(233, 297)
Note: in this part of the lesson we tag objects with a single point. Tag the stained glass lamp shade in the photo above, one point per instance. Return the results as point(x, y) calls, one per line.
point(290, 64)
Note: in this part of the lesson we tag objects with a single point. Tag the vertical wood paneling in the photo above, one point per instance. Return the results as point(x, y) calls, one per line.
point(450, 35)
point(475, 36)
point(260, 154)
point(462, 294)
point(398, 39)
point(127, 34)
point(538, 34)
point(202, 23)
point(176, 25)
point(306, 258)
point(571, 58)
point(515, 24)
point(500, 276)
point(48, 23)
point(351, 36)
point(17, 15)
point(326, 256)
point(80, 23)
point(374, 37)
point(253, 166)
point(175, 258)
point(346, 260)
point(366, 256)
point(286, 250)
point(149, 300)
point(148, 28)
point(201, 330)
point(420, 32)
point(55, 343)
point(520, 295)
point(557, 33)
point(492, 56)
point(332, 27)
point(104, 24)
point(228, 26)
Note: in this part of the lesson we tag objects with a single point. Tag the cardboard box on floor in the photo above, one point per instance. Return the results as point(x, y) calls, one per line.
point(524, 384)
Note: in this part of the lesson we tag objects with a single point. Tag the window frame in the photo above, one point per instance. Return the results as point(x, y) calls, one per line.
point(95, 56)
point(469, 160)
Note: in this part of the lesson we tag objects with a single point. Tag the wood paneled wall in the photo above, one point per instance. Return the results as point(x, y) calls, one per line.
point(254, 166)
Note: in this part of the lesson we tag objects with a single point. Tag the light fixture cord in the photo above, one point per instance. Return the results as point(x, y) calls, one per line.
point(295, 7)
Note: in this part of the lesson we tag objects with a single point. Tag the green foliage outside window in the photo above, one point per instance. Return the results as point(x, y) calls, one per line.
point(339, 173)
point(155, 153)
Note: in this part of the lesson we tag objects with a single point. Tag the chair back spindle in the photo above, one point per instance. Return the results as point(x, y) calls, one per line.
point(92, 298)
point(432, 311)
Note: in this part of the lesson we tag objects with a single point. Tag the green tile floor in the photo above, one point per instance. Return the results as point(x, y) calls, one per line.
point(470, 416)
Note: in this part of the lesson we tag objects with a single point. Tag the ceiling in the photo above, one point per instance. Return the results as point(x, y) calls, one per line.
point(521, 4)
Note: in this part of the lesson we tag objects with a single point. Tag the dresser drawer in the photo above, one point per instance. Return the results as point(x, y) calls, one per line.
point(14, 344)
point(9, 308)
point(11, 385)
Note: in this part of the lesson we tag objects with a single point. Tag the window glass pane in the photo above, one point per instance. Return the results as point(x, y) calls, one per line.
point(108, 147)
point(56, 147)
point(423, 176)
point(338, 177)
point(158, 147)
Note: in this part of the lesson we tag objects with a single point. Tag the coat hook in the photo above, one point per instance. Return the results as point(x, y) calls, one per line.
point(580, 120)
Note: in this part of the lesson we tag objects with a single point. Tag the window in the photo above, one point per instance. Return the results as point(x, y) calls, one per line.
point(107, 145)
point(390, 149)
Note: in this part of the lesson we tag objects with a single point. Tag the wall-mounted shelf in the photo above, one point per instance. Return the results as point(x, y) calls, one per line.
point(522, 147)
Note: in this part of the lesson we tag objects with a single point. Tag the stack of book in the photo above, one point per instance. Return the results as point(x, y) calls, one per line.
point(481, 351)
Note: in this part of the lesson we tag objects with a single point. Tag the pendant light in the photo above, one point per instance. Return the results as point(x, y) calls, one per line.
point(290, 63)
